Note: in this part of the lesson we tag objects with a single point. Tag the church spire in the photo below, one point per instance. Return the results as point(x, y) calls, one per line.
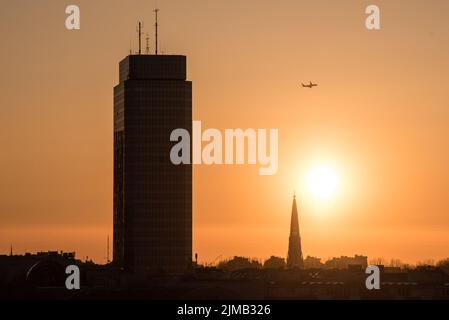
point(294, 258)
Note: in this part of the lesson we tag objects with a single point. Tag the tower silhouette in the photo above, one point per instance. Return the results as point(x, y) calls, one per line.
point(152, 196)
point(294, 258)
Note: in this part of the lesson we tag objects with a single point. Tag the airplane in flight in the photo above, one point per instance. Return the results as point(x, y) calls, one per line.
point(310, 85)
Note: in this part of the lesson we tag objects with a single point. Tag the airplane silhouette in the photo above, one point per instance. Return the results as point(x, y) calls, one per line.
point(310, 85)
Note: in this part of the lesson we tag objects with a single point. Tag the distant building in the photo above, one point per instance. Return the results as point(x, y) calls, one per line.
point(294, 258)
point(152, 196)
point(313, 263)
point(36, 269)
point(239, 263)
point(274, 263)
point(344, 262)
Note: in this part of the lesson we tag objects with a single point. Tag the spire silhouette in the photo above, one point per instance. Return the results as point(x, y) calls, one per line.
point(10, 251)
point(294, 258)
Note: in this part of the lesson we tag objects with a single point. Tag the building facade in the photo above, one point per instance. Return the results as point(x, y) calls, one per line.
point(152, 196)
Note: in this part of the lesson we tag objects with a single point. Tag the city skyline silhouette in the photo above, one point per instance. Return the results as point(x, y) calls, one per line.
point(376, 122)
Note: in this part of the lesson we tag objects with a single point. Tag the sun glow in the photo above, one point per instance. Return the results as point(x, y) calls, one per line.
point(321, 182)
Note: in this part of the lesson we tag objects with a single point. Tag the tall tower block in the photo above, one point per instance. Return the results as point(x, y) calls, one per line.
point(152, 197)
point(294, 258)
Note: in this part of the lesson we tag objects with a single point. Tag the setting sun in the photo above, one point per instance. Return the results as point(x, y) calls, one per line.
point(321, 182)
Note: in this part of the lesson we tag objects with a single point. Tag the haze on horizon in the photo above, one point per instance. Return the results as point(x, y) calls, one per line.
point(378, 118)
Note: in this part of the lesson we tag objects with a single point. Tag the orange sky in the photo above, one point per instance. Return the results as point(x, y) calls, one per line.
point(379, 117)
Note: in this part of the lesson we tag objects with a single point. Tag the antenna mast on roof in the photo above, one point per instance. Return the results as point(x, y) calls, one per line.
point(147, 49)
point(155, 25)
point(107, 256)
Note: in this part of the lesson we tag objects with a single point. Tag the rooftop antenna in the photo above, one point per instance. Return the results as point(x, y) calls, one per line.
point(139, 31)
point(107, 256)
point(147, 49)
point(156, 11)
